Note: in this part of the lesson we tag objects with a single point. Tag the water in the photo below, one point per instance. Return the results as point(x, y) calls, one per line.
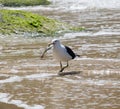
point(33, 83)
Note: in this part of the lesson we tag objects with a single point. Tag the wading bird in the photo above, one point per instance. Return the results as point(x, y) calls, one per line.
point(61, 52)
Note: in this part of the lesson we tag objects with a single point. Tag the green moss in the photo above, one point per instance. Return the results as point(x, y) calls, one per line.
point(17, 22)
point(24, 2)
point(14, 21)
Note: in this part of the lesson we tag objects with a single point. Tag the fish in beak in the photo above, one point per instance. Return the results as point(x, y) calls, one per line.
point(47, 48)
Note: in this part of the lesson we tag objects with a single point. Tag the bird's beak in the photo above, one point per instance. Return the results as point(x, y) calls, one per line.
point(50, 44)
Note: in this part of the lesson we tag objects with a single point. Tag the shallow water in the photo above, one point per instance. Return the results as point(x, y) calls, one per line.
point(91, 81)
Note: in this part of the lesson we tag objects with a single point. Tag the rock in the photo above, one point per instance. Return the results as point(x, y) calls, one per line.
point(23, 22)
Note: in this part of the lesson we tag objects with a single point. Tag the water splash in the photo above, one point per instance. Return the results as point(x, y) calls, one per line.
point(74, 5)
point(86, 4)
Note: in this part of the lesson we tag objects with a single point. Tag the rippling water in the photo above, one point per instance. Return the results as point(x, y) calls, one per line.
point(32, 83)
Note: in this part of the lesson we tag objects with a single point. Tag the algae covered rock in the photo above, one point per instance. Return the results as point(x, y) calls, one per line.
point(14, 21)
point(23, 2)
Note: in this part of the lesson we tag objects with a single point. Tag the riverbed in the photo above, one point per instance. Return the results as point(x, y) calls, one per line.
point(90, 81)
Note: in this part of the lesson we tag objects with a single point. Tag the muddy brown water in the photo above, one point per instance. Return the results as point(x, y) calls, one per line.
point(90, 82)
point(34, 81)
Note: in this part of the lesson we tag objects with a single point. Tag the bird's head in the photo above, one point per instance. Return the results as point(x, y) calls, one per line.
point(54, 42)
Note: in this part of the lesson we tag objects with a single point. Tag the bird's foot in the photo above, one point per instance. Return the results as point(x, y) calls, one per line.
point(61, 70)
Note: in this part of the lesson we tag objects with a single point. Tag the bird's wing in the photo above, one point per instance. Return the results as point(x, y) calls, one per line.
point(70, 52)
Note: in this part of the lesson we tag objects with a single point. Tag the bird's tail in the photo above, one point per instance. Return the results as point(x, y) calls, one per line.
point(77, 55)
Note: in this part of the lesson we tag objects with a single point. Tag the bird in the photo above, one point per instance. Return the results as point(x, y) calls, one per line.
point(62, 53)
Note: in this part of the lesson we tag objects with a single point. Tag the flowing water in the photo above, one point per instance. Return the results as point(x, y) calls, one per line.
point(90, 82)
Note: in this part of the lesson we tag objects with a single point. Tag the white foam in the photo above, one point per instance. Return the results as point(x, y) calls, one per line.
point(99, 33)
point(3, 62)
point(29, 77)
point(11, 79)
point(39, 76)
point(5, 98)
point(89, 34)
point(84, 4)
point(74, 5)
point(4, 75)
point(19, 103)
point(99, 59)
point(13, 70)
point(78, 34)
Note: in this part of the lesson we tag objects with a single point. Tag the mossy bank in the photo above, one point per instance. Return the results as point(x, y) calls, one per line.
point(24, 2)
point(14, 21)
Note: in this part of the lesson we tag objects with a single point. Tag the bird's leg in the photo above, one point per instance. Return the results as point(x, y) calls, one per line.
point(62, 68)
point(60, 64)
